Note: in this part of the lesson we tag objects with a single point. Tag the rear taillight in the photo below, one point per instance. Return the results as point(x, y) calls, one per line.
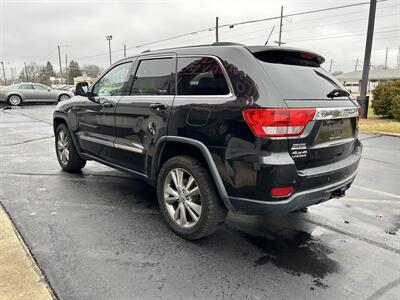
point(278, 122)
point(281, 192)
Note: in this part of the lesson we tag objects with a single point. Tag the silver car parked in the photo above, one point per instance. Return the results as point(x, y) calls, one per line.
point(25, 92)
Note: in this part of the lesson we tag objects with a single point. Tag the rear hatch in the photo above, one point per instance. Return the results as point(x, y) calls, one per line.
point(332, 134)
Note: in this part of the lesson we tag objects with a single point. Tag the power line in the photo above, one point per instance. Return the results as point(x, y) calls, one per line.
point(336, 23)
point(236, 24)
point(341, 36)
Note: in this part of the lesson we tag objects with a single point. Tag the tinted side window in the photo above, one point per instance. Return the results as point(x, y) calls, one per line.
point(200, 76)
point(25, 87)
point(153, 77)
point(113, 82)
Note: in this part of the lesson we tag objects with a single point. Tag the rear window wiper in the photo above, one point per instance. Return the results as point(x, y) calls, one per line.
point(338, 93)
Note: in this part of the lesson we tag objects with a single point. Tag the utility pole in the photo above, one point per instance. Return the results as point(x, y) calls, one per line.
point(4, 73)
point(109, 38)
point(280, 28)
point(59, 60)
point(330, 66)
point(363, 100)
point(386, 58)
point(66, 68)
point(355, 68)
point(124, 50)
point(216, 30)
point(26, 73)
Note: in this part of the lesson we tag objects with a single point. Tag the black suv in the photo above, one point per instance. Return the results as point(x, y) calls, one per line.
point(250, 129)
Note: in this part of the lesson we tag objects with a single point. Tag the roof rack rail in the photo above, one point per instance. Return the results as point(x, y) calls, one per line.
point(226, 44)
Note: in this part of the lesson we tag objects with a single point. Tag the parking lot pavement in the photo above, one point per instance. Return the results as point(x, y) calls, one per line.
point(99, 235)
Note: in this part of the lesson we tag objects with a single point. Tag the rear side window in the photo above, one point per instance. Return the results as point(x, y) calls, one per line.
point(153, 77)
point(25, 87)
point(200, 76)
point(40, 87)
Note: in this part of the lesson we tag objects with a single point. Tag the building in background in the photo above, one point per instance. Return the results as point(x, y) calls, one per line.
point(351, 80)
point(82, 78)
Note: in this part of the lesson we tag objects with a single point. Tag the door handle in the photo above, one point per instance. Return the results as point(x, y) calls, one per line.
point(107, 104)
point(158, 106)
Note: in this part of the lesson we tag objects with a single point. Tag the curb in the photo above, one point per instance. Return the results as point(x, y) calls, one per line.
point(31, 259)
point(382, 133)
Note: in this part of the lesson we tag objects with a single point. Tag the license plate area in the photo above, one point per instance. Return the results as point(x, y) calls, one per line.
point(332, 130)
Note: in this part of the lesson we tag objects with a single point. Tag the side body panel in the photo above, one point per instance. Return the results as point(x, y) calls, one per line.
point(141, 120)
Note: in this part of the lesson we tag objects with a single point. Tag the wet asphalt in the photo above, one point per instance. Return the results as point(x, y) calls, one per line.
point(99, 235)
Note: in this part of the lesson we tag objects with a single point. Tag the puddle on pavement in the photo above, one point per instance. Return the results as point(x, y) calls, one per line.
point(296, 252)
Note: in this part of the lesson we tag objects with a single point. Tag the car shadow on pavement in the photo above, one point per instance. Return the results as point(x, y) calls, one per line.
point(285, 242)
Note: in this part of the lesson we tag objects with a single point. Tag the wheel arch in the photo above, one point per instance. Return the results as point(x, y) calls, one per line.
point(14, 93)
point(169, 146)
point(60, 118)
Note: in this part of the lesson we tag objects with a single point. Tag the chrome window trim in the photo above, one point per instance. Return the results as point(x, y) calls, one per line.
point(227, 79)
point(332, 113)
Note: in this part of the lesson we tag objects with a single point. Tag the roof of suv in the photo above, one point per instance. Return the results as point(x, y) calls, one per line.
point(211, 47)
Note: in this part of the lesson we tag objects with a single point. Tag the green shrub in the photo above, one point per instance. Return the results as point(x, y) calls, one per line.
point(383, 97)
point(396, 107)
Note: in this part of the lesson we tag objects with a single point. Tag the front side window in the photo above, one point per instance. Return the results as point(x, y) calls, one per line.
point(200, 76)
point(153, 77)
point(113, 82)
point(25, 87)
point(40, 87)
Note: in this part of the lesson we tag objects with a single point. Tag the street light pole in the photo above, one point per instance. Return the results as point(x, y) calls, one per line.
point(4, 73)
point(109, 38)
point(59, 60)
point(66, 68)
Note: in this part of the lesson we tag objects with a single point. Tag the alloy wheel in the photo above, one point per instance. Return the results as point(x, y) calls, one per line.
point(15, 100)
point(182, 198)
point(64, 97)
point(63, 147)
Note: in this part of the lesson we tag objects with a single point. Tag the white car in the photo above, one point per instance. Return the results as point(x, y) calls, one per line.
point(17, 94)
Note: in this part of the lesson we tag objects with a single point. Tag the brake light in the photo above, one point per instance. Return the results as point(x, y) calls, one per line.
point(278, 122)
point(281, 192)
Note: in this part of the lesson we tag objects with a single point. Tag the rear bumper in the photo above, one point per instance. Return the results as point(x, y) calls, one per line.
point(295, 202)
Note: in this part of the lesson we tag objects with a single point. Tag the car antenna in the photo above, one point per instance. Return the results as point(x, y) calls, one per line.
point(272, 30)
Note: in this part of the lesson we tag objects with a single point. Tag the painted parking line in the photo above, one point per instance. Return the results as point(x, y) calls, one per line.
point(376, 191)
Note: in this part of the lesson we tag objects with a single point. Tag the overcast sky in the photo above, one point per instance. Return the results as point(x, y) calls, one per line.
point(31, 30)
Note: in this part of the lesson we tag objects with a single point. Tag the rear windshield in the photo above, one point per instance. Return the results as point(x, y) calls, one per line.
point(298, 78)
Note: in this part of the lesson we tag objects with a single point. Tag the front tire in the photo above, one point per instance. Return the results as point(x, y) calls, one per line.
point(14, 100)
point(188, 199)
point(67, 155)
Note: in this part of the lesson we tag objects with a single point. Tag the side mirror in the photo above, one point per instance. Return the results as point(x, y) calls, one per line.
point(49, 89)
point(81, 89)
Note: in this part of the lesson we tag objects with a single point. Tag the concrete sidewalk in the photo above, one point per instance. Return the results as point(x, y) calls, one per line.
point(19, 276)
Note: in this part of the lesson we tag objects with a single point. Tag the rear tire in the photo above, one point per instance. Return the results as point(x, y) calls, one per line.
point(188, 199)
point(63, 97)
point(14, 100)
point(67, 155)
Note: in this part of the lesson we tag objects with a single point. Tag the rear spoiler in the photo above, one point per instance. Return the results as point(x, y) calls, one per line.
point(288, 56)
